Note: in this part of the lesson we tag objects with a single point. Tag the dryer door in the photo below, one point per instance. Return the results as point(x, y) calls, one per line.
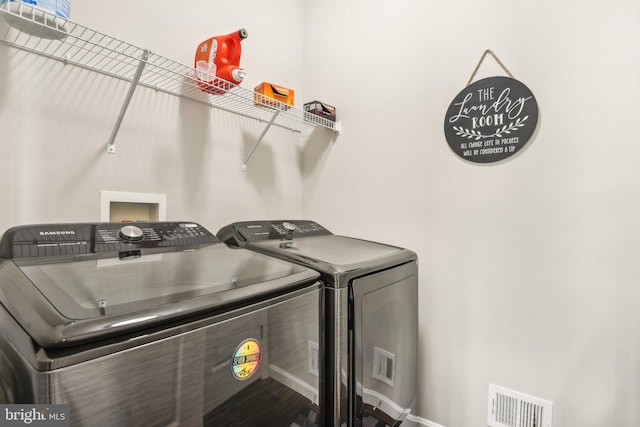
point(385, 332)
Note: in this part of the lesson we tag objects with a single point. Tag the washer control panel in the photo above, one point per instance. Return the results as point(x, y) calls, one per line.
point(285, 228)
point(241, 233)
point(54, 240)
point(116, 236)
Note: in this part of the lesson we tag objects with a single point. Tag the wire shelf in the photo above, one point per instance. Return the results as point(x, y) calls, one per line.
point(35, 30)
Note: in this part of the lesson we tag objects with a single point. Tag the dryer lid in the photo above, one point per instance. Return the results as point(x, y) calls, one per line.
point(338, 251)
point(336, 256)
point(305, 242)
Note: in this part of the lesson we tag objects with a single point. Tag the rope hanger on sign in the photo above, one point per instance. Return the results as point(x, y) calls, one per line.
point(482, 59)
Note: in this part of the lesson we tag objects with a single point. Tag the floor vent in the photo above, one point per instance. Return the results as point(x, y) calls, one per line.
point(508, 408)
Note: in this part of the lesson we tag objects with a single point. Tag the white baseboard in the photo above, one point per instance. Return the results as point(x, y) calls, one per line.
point(423, 422)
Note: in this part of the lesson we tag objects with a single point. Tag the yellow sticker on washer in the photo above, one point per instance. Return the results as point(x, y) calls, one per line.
point(246, 359)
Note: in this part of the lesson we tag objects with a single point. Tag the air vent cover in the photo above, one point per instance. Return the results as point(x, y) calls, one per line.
point(508, 408)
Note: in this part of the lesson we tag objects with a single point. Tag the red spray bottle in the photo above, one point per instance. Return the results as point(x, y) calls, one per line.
point(220, 56)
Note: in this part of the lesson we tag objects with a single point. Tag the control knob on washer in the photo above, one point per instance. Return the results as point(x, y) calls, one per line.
point(289, 227)
point(131, 233)
point(287, 241)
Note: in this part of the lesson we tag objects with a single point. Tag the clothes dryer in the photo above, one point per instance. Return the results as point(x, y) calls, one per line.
point(370, 317)
point(154, 324)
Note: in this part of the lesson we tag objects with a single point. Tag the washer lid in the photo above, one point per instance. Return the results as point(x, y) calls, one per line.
point(62, 303)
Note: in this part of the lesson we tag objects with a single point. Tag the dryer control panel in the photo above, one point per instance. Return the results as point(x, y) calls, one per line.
point(241, 233)
point(78, 239)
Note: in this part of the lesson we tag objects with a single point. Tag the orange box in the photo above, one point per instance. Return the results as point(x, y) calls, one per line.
point(266, 94)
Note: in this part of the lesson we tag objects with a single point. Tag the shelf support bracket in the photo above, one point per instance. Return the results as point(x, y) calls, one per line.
point(250, 153)
point(111, 145)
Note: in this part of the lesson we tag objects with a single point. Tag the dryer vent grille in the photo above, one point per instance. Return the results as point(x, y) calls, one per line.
point(508, 408)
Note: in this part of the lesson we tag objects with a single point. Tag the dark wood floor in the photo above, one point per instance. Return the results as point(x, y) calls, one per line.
point(266, 403)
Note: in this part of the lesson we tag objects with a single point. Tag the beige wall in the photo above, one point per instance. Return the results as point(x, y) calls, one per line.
point(529, 267)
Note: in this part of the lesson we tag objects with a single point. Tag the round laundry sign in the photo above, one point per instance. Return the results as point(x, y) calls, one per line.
point(491, 119)
point(246, 359)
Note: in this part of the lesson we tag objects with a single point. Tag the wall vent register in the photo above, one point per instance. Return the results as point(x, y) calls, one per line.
point(508, 408)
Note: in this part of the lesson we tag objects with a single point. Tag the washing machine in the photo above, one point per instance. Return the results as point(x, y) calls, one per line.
point(369, 318)
point(154, 324)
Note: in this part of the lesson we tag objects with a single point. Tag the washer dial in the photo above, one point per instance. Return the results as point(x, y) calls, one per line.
point(289, 227)
point(131, 233)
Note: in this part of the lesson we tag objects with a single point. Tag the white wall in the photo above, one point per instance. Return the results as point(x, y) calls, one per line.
point(529, 267)
point(56, 121)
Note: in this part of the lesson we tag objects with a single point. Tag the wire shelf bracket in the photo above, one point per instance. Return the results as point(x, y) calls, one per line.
point(264, 131)
point(111, 145)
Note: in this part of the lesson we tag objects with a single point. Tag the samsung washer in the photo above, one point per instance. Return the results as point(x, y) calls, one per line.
point(370, 317)
point(154, 324)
